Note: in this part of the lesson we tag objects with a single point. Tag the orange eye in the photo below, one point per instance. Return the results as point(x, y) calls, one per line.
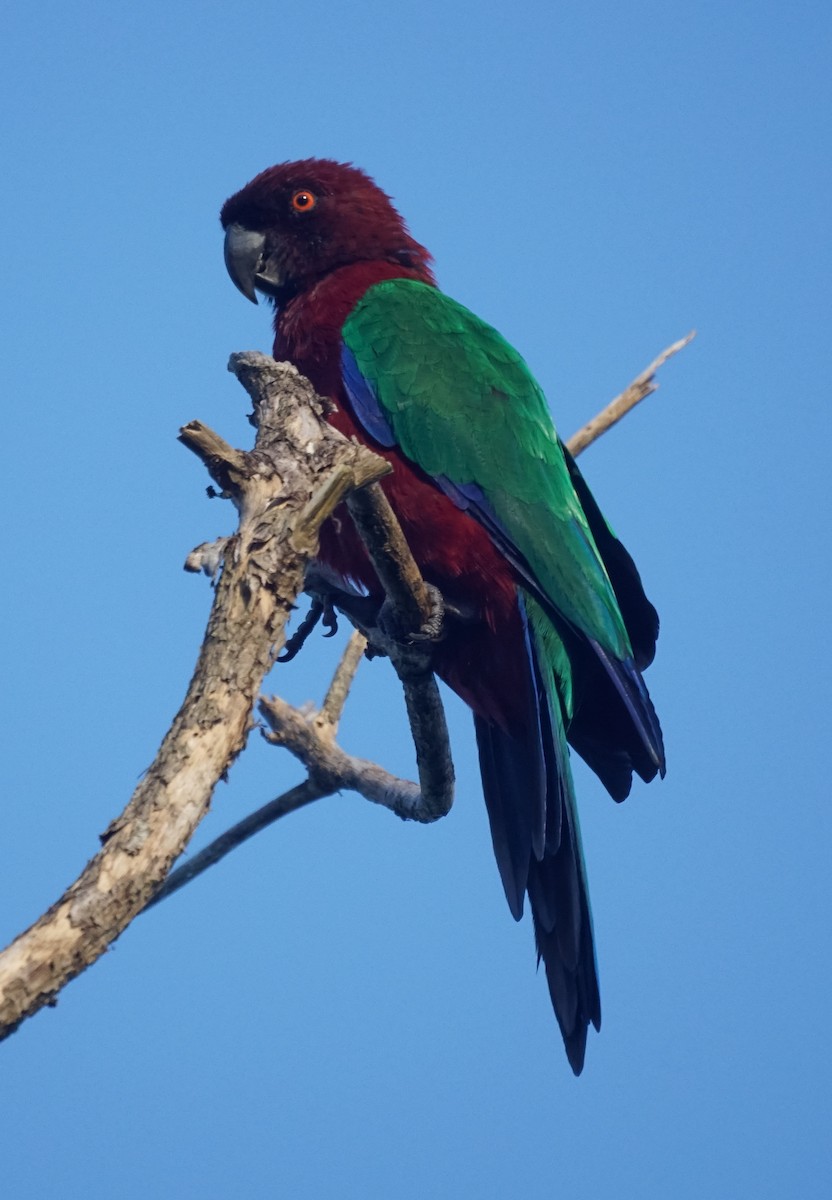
point(303, 202)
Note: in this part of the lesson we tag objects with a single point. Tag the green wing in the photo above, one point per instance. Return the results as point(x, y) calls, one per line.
point(462, 403)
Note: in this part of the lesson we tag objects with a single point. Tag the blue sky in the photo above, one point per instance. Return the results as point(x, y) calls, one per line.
point(346, 1008)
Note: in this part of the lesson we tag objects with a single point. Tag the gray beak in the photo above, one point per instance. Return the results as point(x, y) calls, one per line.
point(243, 255)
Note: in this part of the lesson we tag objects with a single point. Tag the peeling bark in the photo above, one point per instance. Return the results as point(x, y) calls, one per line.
point(298, 471)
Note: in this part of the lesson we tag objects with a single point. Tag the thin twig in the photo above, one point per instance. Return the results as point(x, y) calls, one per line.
point(332, 768)
point(391, 556)
point(281, 806)
point(333, 705)
point(305, 793)
point(407, 593)
point(641, 387)
point(289, 802)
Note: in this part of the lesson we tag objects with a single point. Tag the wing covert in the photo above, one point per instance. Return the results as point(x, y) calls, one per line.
point(461, 403)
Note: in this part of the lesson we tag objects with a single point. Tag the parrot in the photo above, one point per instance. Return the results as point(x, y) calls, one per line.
point(548, 628)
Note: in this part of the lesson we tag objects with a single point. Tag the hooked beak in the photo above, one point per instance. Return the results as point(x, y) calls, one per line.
point(246, 262)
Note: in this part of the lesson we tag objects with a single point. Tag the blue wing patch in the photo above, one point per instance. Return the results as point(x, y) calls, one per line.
point(364, 401)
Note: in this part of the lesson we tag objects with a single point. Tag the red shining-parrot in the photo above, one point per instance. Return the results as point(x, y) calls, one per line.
point(556, 628)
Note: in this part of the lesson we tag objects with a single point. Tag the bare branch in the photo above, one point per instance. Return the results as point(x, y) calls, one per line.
point(641, 387)
point(281, 806)
point(305, 793)
point(338, 690)
point(332, 769)
point(221, 459)
point(430, 739)
point(391, 556)
point(298, 471)
point(284, 489)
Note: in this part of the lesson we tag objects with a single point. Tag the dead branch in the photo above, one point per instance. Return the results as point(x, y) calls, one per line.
point(297, 797)
point(394, 564)
point(338, 690)
point(284, 489)
point(299, 470)
point(642, 386)
point(373, 518)
point(281, 806)
point(331, 769)
point(288, 802)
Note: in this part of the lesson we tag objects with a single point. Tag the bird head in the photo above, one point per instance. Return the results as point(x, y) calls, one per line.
point(298, 221)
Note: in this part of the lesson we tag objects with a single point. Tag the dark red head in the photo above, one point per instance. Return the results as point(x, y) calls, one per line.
point(296, 222)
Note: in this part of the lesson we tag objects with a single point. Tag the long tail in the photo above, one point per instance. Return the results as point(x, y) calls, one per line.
point(530, 799)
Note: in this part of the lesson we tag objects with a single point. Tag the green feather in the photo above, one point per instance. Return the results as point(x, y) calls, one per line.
point(462, 403)
point(557, 680)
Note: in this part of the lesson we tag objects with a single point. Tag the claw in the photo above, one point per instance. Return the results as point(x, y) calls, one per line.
point(329, 617)
point(431, 630)
point(297, 641)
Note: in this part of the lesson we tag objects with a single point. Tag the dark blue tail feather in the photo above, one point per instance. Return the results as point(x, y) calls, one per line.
point(630, 686)
point(527, 785)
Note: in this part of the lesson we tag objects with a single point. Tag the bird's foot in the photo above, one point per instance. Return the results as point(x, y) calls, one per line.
point(320, 609)
point(328, 594)
point(444, 614)
point(431, 630)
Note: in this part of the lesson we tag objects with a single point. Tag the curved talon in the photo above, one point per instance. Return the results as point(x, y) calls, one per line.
point(433, 629)
point(329, 617)
point(296, 642)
